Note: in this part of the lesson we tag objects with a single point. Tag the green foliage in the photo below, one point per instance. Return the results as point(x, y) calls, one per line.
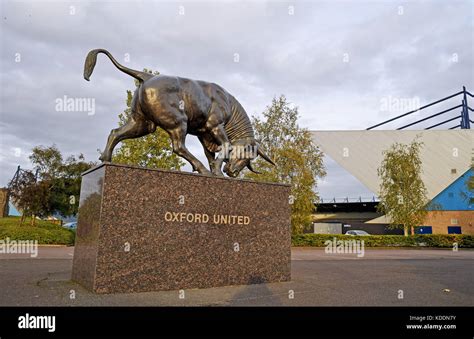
point(424, 240)
point(298, 161)
point(63, 179)
point(153, 150)
point(54, 186)
point(470, 181)
point(44, 232)
point(47, 161)
point(66, 186)
point(30, 196)
point(402, 192)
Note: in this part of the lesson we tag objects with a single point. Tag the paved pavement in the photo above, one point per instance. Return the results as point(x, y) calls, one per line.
point(427, 277)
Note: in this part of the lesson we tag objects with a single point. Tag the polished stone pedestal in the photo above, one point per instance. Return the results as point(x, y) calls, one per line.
point(148, 230)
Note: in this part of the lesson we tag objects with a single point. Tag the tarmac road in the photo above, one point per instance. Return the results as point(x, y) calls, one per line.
point(426, 277)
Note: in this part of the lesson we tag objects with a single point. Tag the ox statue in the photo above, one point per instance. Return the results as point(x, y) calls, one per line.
point(183, 106)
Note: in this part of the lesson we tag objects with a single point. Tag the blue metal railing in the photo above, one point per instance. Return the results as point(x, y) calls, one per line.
point(464, 115)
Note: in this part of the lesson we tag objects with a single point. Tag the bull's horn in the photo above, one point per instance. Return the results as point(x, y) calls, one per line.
point(264, 156)
point(249, 166)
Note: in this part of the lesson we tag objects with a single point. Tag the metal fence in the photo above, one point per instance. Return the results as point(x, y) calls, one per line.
point(347, 200)
point(463, 118)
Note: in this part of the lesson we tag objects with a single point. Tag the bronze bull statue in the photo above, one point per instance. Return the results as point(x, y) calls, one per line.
point(183, 106)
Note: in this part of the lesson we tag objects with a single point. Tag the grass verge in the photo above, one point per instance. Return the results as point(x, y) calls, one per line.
point(44, 232)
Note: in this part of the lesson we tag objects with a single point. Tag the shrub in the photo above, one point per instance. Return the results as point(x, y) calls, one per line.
point(428, 240)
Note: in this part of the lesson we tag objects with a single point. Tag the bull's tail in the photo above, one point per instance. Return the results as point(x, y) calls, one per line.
point(91, 60)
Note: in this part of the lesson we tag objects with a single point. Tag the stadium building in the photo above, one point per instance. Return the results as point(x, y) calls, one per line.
point(447, 158)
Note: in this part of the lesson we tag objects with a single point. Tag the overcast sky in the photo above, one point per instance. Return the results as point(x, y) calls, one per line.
point(340, 62)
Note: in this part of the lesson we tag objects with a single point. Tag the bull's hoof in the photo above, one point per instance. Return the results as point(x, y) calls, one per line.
point(205, 171)
point(216, 172)
point(104, 158)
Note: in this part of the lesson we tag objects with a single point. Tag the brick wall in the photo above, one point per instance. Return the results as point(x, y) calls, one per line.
point(439, 221)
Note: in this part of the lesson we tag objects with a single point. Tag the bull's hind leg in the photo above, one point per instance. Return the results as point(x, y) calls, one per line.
point(178, 137)
point(137, 126)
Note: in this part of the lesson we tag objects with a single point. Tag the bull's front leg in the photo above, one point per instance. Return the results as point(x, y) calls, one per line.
point(211, 159)
point(215, 165)
point(178, 137)
point(220, 136)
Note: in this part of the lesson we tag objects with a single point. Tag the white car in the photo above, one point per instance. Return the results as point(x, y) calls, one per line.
point(71, 225)
point(357, 232)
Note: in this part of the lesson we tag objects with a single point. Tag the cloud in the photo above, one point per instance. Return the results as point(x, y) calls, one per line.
point(335, 60)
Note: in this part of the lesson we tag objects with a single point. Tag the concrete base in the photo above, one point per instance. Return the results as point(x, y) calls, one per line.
point(147, 230)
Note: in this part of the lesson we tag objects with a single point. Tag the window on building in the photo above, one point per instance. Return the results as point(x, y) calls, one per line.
point(423, 230)
point(454, 230)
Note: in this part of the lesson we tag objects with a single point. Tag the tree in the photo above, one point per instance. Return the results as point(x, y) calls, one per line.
point(468, 194)
point(153, 150)
point(470, 182)
point(55, 186)
point(66, 187)
point(298, 161)
point(30, 196)
point(63, 178)
point(47, 161)
point(402, 192)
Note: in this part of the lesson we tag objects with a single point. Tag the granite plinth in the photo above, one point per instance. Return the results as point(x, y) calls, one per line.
point(141, 229)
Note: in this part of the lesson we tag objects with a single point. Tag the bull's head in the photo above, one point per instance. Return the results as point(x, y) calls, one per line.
point(241, 156)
